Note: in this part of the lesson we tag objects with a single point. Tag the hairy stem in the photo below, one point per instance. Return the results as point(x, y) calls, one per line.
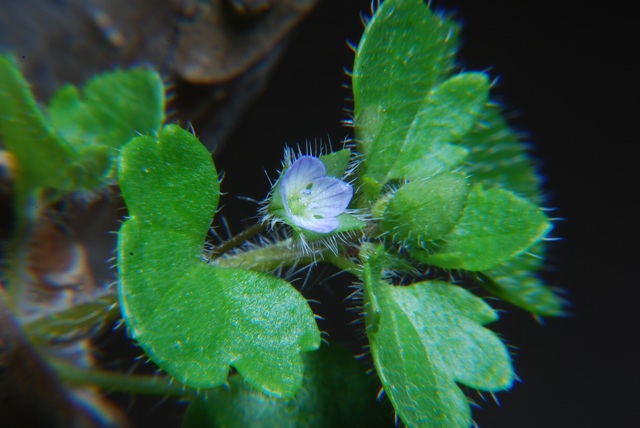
point(114, 381)
point(235, 241)
point(284, 254)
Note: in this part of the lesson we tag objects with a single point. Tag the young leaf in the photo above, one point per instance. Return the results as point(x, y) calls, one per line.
point(426, 337)
point(447, 114)
point(423, 211)
point(335, 392)
point(191, 318)
point(495, 226)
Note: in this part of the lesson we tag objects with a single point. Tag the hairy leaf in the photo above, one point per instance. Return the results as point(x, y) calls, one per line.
point(516, 282)
point(405, 52)
point(497, 157)
point(426, 337)
point(496, 225)
point(193, 319)
point(424, 211)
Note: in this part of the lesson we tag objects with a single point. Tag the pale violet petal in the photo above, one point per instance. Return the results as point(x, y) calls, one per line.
point(301, 174)
point(329, 197)
point(320, 225)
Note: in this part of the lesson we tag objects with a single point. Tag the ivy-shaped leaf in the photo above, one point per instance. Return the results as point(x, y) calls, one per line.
point(191, 318)
point(426, 337)
point(336, 392)
point(496, 225)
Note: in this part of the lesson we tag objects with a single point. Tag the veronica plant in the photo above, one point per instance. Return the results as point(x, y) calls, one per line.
point(436, 186)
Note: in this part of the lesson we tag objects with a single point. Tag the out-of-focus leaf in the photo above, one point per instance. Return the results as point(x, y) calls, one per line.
point(78, 321)
point(335, 393)
point(111, 109)
point(516, 282)
point(42, 157)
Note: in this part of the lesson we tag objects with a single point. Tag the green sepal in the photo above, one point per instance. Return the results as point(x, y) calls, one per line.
point(424, 211)
point(193, 319)
point(496, 225)
point(424, 339)
point(335, 392)
point(336, 163)
point(348, 223)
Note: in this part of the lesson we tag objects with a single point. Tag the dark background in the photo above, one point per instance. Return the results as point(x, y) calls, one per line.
point(564, 71)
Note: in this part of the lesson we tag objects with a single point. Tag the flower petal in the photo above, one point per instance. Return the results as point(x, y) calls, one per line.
point(301, 174)
point(329, 197)
point(320, 225)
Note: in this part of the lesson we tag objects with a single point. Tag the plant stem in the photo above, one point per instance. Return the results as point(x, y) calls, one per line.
point(235, 241)
point(114, 381)
point(268, 258)
point(284, 254)
point(343, 263)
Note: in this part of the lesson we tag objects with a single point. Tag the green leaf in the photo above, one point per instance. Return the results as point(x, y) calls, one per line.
point(426, 337)
point(191, 318)
point(497, 157)
point(424, 211)
point(335, 392)
point(404, 52)
point(447, 115)
point(496, 225)
point(41, 156)
point(515, 282)
point(112, 108)
point(403, 110)
point(75, 151)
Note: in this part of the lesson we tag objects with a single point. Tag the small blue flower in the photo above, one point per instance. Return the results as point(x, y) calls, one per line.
point(312, 200)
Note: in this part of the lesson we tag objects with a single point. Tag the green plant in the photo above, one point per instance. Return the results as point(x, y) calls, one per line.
point(437, 194)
